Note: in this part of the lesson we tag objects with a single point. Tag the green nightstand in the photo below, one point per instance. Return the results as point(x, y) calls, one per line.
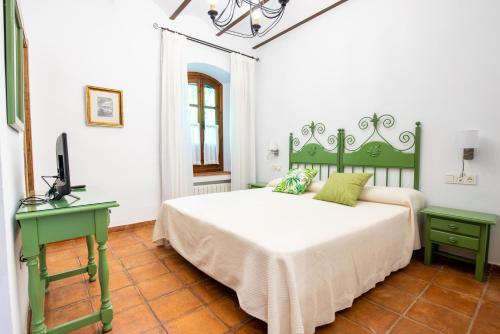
point(463, 229)
point(256, 185)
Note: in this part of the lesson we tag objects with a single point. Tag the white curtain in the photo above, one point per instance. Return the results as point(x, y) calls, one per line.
point(242, 121)
point(196, 143)
point(175, 135)
point(211, 145)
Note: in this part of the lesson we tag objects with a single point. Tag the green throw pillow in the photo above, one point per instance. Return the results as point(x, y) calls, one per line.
point(343, 188)
point(296, 181)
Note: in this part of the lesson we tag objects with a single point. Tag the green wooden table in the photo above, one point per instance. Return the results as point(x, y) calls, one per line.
point(463, 229)
point(61, 220)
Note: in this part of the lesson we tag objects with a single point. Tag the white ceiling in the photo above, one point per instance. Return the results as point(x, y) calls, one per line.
point(296, 11)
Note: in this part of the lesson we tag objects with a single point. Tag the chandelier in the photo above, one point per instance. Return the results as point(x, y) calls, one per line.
point(257, 12)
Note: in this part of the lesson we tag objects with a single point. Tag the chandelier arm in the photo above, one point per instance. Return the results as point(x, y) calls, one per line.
point(263, 7)
point(220, 22)
point(235, 33)
point(230, 16)
point(265, 31)
point(228, 13)
point(273, 16)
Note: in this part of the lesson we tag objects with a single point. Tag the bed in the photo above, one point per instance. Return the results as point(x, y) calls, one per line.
point(295, 261)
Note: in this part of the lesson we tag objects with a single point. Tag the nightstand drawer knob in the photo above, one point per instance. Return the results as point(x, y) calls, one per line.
point(452, 240)
point(452, 226)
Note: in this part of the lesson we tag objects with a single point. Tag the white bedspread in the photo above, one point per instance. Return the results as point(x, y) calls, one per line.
point(292, 260)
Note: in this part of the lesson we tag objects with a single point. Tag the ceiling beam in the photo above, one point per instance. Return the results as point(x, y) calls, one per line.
point(238, 20)
point(296, 25)
point(180, 9)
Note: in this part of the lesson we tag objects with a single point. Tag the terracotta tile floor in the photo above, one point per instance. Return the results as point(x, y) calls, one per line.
point(154, 290)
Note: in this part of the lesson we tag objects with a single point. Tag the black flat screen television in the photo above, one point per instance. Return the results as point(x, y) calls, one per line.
point(62, 184)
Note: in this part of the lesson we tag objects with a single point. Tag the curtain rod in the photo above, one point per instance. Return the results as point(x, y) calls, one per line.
point(199, 41)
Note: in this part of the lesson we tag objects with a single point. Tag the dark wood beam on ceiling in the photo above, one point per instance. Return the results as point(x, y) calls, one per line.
point(238, 20)
point(180, 9)
point(296, 25)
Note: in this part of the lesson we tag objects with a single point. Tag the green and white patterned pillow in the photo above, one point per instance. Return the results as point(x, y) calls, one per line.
point(296, 181)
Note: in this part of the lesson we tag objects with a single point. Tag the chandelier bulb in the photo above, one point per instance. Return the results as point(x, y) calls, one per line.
point(256, 15)
point(212, 4)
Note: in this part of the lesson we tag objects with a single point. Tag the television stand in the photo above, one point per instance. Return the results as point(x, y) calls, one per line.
point(46, 223)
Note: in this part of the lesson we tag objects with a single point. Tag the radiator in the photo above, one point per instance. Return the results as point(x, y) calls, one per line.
point(211, 188)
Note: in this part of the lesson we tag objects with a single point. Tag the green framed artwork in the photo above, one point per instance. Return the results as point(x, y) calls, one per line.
point(14, 64)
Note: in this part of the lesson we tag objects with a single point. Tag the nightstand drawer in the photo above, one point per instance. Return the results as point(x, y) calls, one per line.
point(455, 240)
point(455, 227)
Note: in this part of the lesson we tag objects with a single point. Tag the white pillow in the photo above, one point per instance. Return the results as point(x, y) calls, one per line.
point(316, 186)
point(275, 182)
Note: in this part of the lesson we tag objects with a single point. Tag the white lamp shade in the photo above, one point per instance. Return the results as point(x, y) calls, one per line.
point(468, 139)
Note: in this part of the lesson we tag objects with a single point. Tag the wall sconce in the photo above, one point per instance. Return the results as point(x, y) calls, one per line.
point(467, 140)
point(273, 149)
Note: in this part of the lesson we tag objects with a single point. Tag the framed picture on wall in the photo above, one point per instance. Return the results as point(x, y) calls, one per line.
point(14, 64)
point(104, 106)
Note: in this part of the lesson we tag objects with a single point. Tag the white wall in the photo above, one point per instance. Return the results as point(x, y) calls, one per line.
point(13, 276)
point(109, 44)
point(437, 62)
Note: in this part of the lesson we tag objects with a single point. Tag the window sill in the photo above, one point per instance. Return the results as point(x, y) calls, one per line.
point(211, 173)
point(211, 176)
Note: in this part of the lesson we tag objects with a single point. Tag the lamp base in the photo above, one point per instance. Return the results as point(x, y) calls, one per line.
point(468, 153)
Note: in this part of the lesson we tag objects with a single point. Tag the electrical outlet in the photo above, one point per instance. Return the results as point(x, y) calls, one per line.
point(277, 168)
point(469, 180)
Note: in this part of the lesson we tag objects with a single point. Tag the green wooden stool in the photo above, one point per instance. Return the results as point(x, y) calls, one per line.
point(63, 220)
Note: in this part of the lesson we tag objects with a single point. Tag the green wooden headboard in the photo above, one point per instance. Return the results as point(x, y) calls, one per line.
point(313, 153)
point(375, 154)
point(379, 155)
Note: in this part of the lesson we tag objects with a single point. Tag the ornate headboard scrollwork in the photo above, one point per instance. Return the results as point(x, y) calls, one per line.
point(385, 121)
point(309, 131)
point(375, 152)
point(313, 152)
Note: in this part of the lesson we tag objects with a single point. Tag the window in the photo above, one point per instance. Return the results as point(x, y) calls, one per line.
point(205, 108)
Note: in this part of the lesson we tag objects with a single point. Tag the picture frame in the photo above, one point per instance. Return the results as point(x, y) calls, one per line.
point(15, 42)
point(104, 106)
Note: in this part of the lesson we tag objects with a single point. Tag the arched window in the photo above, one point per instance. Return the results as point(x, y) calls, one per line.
point(205, 108)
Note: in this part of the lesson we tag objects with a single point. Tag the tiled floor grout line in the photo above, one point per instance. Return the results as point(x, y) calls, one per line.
point(184, 286)
point(354, 322)
point(85, 281)
point(358, 323)
point(479, 304)
point(173, 269)
point(206, 305)
point(189, 287)
point(405, 312)
point(136, 287)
